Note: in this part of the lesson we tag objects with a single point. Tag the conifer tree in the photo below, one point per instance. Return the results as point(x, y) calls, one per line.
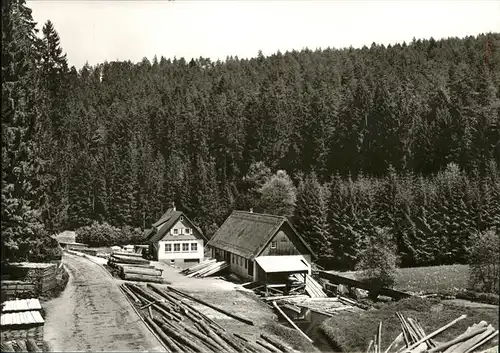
point(310, 213)
point(21, 194)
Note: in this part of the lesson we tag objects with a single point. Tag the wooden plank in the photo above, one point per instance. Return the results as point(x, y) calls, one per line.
point(291, 322)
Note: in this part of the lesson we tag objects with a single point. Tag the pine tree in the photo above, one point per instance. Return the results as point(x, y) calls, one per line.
point(80, 194)
point(21, 194)
point(310, 214)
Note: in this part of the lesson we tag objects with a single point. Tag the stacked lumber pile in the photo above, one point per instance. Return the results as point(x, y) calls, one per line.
point(413, 339)
point(205, 268)
point(182, 328)
point(313, 288)
point(133, 267)
point(21, 345)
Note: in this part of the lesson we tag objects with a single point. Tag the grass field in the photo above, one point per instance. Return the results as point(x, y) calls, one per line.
point(351, 332)
point(432, 279)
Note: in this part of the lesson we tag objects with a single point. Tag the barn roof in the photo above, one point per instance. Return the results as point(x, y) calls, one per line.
point(246, 233)
point(165, 223)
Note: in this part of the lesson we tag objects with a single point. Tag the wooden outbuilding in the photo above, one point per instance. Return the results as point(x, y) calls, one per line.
point(261, 247)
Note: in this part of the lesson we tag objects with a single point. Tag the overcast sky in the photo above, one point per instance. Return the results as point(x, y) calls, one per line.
point(96, 31)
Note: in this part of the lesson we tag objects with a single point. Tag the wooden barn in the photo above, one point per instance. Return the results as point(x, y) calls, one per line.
point(176, 240)
point(259, 247)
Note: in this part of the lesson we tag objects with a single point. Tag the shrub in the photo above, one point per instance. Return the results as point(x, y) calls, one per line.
point(98, 234)
point(377, 263)
point(103, 234)
point(484, 270)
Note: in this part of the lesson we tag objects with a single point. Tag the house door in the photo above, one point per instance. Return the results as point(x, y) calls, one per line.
point(250, 268)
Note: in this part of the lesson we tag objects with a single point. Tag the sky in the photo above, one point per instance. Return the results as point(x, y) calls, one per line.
point(98, 30)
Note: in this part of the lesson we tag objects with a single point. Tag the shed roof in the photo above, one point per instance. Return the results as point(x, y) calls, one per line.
point(163, 225)
point(246, 233)
point(21, 305)
point(21, 318)
point(286, 263)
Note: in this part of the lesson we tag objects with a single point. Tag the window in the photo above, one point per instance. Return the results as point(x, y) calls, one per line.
point(185, 246)
point(175, 231)
point(187, 230)
point(191, 260)
point(168, 247)
point(177, 247)
point(182, 218)
point(273, 244)
point(232, 257)
point(246, 264)
point(172, 261)
point(194, 246)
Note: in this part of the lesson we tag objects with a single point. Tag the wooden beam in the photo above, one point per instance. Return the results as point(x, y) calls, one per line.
point(291, 322)
point(369, 287)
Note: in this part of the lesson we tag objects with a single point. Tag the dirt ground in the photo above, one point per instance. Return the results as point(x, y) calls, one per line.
point(234, 298)
point(92, 298)
point(93, 315)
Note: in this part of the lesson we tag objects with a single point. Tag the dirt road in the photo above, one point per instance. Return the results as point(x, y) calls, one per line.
point(93, 315)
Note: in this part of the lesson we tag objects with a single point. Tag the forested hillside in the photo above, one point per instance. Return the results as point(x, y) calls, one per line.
point(404, 136)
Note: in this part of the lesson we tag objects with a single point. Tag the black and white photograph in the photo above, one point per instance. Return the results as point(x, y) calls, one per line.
point(250, 176)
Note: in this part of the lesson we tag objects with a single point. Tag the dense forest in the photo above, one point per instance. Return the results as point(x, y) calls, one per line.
point(342, 141)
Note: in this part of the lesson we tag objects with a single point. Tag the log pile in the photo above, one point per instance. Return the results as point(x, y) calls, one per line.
point(413, 339)
point(21, 345)
point(183, 328)
point(133, 267)
point(205, 268)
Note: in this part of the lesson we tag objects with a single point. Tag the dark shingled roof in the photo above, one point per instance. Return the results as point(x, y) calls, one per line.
point(246, 234)
point(165, 223)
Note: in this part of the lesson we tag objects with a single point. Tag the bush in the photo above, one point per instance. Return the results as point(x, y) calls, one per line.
point(103, 234)
point(98, 234)
point(484, 269)
point(378, 262)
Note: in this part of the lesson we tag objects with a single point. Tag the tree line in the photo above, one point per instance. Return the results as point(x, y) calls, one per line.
point(378, 136)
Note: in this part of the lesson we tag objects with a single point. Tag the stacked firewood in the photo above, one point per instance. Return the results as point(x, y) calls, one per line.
point(26, 345)
point(205, 268)
point(413, 339)
point(183, 328)
point(133, 267)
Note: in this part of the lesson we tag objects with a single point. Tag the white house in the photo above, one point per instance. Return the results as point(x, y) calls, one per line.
point(176, 240)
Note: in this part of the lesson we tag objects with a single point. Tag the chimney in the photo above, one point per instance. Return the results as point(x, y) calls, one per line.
point(251, 210)
point(173, 206)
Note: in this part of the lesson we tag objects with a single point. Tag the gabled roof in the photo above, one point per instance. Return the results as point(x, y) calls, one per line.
point(247, 234)
point(165, 223)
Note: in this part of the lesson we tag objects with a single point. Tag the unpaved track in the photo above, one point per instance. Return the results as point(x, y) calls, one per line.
point(92, 314)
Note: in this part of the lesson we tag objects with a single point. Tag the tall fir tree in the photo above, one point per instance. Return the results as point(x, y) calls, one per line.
point(310, 214)
point(22, 197)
